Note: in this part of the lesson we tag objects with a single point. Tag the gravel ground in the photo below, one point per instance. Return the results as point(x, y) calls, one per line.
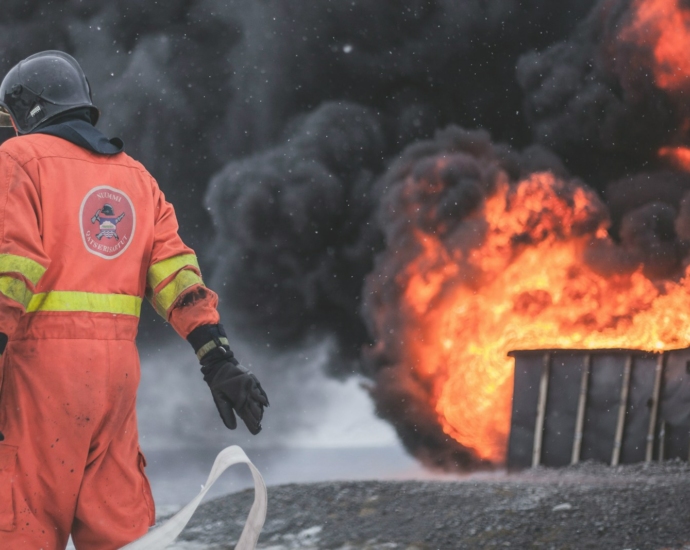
point(585, 506)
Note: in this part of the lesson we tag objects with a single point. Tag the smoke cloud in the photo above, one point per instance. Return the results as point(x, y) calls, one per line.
point(425, 63)
point(297, 112)
point(575, 102)
point(408, 70)
point(586, 96)
point(294, 231)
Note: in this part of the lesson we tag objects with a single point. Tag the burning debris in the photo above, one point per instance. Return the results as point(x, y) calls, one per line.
point(487, 254)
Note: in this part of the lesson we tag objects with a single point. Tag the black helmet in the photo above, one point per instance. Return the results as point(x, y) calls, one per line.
point(108, 210)
point(41, 87)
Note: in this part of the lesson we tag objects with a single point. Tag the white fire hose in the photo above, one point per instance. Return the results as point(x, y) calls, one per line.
point(162, 536)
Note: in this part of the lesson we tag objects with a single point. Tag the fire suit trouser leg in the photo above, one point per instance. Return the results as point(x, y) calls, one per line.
point(70, 461)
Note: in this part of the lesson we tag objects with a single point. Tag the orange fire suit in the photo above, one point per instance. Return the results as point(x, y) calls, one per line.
point(83, 239)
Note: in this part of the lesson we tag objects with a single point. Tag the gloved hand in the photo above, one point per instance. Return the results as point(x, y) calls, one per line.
point(234, 388)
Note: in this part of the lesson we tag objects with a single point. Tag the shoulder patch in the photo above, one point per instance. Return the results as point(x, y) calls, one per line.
point(107, 222)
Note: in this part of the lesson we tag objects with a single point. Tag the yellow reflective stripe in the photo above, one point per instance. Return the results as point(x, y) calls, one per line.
point(15, 289)
point(32, 271)
point(160, 271)
point(65, 300)
point(163, 300)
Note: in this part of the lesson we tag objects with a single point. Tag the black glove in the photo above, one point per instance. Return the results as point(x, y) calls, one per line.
point(232, 386)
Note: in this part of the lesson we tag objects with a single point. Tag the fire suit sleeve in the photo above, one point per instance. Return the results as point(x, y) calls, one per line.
point(173, 284)
point(22, 258)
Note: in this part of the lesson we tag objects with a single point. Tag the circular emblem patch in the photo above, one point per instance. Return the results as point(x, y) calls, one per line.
point(107, 221)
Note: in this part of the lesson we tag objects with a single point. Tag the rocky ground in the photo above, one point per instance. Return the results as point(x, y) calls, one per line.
point(585, 506)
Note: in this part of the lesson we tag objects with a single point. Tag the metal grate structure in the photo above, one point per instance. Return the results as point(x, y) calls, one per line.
point(617, 406)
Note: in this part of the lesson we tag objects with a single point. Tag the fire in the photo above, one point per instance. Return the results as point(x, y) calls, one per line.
point(525, 285)
point(664, 26)
point(515, 273)
point(677, 157)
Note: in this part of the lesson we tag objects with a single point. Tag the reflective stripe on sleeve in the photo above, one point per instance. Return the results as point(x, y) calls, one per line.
point(160, 271)
point(63, 300)
point(203, 350)
point(15, 289)
point(164, 299)
point(32, 271)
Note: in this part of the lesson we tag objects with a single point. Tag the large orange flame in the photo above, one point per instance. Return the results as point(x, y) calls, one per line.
point(463, 322)
point(664, 26)
point(677, 157)
point(661, 29)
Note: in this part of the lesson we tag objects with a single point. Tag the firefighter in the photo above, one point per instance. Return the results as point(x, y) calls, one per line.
point(85, 235)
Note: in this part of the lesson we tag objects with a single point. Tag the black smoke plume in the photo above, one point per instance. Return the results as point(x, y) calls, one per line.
point(426, 63)
point(593, 99)
point(294, 229)
point(191, 84)
point(417, 67)
point(296, 289)
point(301, 110)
